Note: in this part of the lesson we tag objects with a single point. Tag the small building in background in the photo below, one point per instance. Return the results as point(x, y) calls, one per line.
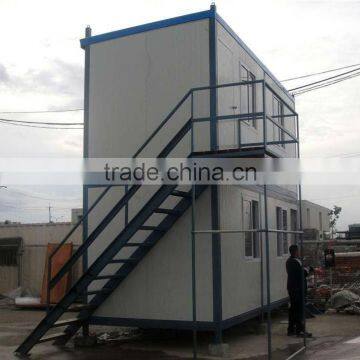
point(316, 227)
point(354, 231)
point(23, 252)
point(315, 220)
point(76, 215)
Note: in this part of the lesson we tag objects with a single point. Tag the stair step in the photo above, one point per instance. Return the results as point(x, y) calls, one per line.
point(104, 277)
point(67, 322)
point(123, 261)
point(167, 211)
point(151, 228)
point(80, 307)
point(52, 337)
point(137, 245)
point(95, 292)
point(181, 194)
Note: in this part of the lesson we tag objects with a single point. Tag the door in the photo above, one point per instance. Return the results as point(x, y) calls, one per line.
point(227, 129)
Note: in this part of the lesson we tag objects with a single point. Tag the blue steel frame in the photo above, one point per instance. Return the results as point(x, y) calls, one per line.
point(214, 189)
point(85, 328)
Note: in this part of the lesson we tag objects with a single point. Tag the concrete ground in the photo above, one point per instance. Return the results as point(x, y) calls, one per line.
point(247, 341)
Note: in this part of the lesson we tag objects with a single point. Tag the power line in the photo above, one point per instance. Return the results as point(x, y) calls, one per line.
point(42, 198)
point(41, 127)
point(323, 80)
point(38, 208)
point(40, 111)
point(318, 73)
point(319, 86)
point(81, 109)
point(39, 122)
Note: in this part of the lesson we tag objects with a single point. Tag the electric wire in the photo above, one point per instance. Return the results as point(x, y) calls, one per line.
point(41, 127)
point(81, 109)
point(41, 111)
point(19, 192)
point(39, 122)
point(323, 80)
point(319, 86)
point(318, 73)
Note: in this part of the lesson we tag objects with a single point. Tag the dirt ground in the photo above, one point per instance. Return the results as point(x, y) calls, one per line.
point(246, 341)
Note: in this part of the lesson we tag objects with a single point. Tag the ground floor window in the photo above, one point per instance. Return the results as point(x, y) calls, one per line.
point(251, 221)
point(8, 256)
point(282, 238)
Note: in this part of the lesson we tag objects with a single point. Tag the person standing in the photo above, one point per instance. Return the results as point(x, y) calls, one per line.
point(296, 287)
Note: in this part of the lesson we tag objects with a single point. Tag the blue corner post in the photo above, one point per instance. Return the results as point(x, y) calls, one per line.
point(215, 218)
point(85, 327)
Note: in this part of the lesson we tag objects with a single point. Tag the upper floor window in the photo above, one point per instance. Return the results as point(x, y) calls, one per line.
point(278, 117)
point(248, 96)
point(251, 221)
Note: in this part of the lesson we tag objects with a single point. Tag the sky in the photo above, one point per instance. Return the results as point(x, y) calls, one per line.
point(41, 68)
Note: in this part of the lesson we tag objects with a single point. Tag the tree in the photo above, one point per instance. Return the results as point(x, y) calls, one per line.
point(334, 215)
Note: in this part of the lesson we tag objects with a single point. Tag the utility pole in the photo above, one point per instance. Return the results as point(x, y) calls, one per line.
point(49, 214)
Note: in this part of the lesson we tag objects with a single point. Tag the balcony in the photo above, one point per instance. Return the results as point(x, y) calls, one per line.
point(252, 120)
point(244, 119)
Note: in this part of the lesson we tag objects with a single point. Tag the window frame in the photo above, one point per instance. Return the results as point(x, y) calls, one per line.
point(254, 223)
point(278, 116)
point(282, 239)
point(285, 225)
point(250, 89)
point(9, 256)
point(279, 236)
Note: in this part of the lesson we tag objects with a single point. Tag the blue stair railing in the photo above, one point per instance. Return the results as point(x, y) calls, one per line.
point(79, 289)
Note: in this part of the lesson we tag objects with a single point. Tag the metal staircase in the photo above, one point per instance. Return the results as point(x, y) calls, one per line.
point(138, 222)
point(109, 255)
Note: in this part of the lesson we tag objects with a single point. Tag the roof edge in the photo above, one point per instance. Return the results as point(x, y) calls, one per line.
point(208, 14)
point(147, 27)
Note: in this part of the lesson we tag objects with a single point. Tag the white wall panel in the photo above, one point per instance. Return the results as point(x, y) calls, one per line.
point(135, 82)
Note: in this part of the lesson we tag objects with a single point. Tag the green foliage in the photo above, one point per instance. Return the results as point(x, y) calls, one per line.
point(334, 216)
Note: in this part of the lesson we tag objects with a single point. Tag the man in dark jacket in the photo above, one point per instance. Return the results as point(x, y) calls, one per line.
point(296, 286)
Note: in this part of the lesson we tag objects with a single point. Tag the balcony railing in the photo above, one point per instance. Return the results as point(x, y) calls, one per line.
point(250, 114)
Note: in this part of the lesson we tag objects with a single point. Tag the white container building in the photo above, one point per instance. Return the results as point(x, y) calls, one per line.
point(136, 77)
point(186, 86)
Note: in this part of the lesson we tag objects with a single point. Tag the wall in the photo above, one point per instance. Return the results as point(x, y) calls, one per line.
point(159, 288)
point(35, 239)
point(231, 57)
point(241, 276)
point(135, 82)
